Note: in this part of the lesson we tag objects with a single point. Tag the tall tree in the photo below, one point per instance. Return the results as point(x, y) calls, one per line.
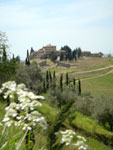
point(54, 80)
point(74, 54)
point(53, 56)
point(67, 79)
point(79, 87)
point(4, 57)
point(61, 81)
point(47, 79)
point(67, 50)
point(61, 56)
point(79, 51)
point(27, 61)
point(32, 50)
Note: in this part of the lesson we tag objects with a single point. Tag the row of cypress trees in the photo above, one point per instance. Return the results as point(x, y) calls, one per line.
point(50, 82)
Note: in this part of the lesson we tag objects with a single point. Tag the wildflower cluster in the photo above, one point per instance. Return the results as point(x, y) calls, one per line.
point(22, 111)
point(69, 137)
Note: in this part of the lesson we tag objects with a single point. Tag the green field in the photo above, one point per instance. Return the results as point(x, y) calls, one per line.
point(102, 85)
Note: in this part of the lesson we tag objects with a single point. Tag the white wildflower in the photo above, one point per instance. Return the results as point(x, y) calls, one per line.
point(23, 112)
point(41, 97)
point(6, 119)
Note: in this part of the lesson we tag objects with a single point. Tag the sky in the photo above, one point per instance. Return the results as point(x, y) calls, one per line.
point(77, 23)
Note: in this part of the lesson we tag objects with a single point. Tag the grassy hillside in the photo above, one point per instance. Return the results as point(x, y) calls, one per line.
point(86, 125)
point(95, 74)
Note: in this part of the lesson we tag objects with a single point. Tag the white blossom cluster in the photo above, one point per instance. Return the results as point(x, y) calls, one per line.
point(22, 112)
point(68, 138)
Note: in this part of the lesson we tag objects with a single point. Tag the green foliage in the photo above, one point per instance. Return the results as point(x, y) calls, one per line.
point(53, 56)
point(103, 111)
point(7, 68)
point(58, 98)
point(88, 126)
point(30, 140)
point(55, 127)
point(61, 56)
point(78, 51)
point(67, 50)
point(4, 57)
point(74, 54)
point(31, 76)
point(83, 104)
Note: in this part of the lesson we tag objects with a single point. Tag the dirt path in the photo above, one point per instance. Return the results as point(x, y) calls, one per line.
point(96, 70)
point(97, 75)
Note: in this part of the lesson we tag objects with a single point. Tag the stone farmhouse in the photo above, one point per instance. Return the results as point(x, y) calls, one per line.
point(89, 54)
point(44, 52)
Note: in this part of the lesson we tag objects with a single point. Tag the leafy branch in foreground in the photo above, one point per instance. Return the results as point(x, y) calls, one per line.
point(52, 138)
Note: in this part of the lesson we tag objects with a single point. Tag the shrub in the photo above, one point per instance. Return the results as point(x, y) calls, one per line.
point(31, 76)
point(102, 111)
point(58, 97)
point(83, 104)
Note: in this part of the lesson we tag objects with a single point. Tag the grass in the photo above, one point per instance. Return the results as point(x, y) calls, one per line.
point(102, 85)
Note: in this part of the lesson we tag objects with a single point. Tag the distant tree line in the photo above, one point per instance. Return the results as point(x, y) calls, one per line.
point(66, 53)
point(69, 54)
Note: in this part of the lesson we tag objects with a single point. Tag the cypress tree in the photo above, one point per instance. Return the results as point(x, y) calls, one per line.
point(61, 56)
point(47, 79)
point(61, 81)
point(4, 57)
point(79, 88)
point(27, 61)
point(31, 50)
point(27, 53)
point(54, 80)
